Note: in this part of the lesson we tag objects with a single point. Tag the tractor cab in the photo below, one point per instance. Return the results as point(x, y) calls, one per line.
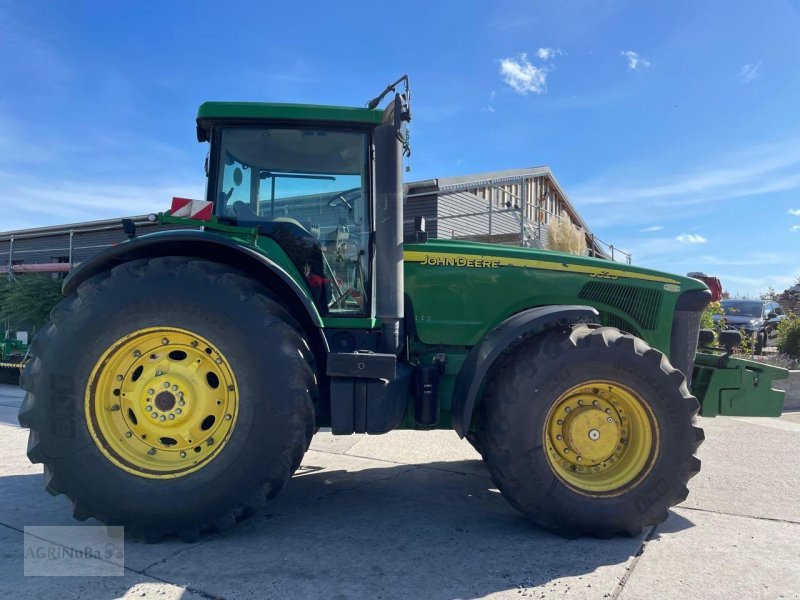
point(304, 176)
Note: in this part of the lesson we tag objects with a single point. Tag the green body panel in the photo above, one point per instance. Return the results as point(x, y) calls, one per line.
point(733, 386)
point(11, 352)
point(209, 111)
point(457, 301)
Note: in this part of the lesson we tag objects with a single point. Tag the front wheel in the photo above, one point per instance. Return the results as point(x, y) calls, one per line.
point(168, 396)
point(590, 431)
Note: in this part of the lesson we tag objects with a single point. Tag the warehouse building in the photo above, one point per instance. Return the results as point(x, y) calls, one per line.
point(508, 207)
point(514, 206)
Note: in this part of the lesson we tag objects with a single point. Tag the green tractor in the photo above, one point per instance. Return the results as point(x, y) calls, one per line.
point(181, 379)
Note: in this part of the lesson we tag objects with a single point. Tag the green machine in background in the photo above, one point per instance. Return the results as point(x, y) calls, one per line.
point(13, 352)
point(185, 372)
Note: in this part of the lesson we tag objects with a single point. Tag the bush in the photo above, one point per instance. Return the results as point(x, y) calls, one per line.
point(563, 236)
point(789, 336)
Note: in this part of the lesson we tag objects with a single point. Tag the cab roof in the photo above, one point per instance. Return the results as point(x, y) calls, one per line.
point(216, 111)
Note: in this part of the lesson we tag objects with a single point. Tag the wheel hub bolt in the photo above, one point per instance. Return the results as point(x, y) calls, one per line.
point(128, 434)
point(165, 341)
point(136, 354)
point(579, 459)
point(119, 377)
point(610, 420)
point(567, 409)
point(152, 451)
point(166, 384)
point(162, 418)
point(155, 415)
point(150, 392)
point(230, 388)
point(171, 417)
point(178, 411)
point(115, 407)
point(218, 361)
point(181, 402)
point(608, 411)
point(595, 403)
point(558, 437)
point(159, 373)
point(183, 454)
point(228, 417)
point(594, 435)
point(174, 388)
point(148, 408)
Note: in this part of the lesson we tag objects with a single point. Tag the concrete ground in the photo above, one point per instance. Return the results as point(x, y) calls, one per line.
point(415, 515)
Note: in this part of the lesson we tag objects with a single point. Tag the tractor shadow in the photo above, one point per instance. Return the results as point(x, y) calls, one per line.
point(435, 530)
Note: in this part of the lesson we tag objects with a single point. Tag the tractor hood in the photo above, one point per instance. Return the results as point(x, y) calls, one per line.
point(479, 255)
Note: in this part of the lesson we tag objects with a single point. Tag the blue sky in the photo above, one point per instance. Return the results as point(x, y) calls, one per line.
point(673, 127)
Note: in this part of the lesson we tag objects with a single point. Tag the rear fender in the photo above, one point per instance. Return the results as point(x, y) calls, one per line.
point(217, 248)
point(479, 361)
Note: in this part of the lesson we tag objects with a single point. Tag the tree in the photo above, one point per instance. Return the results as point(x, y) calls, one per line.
point(770, 294)
point(29, 299)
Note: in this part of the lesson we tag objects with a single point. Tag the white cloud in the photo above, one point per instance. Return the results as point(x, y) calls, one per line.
point(795, 212)
point(794, 228)
point(652, 229)
point(635, 61)
point(749, 72)
point(490, 106)
point(753, 170)
point(522, 76)
point(547, 53)
point(691, 238)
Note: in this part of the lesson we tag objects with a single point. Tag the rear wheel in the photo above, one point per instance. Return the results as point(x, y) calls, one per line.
point(589, 431)
point(169, 396)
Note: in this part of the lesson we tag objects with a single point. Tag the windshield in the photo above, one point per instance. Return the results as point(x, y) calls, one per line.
point(308, 189)
point(742, 309)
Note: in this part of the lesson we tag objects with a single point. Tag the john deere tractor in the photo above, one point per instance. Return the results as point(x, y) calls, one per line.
point(181, 379)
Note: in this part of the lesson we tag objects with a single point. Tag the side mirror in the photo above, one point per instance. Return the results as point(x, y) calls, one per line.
point(771, 316)
point(730, 338)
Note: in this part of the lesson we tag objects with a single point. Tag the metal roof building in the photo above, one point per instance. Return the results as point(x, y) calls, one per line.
point(514, 206)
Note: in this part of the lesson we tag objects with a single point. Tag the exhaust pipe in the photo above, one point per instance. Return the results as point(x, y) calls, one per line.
point(389, 226)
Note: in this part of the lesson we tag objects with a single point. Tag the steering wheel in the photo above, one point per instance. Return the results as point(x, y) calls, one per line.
point(345, 199)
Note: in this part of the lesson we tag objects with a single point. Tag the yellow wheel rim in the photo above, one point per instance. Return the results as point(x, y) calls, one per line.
point(601, 438)
point(161, 402)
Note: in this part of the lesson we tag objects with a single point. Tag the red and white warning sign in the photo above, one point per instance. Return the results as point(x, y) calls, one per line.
point(191, 209)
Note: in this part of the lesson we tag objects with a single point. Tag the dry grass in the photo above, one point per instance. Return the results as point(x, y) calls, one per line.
point(565, 237)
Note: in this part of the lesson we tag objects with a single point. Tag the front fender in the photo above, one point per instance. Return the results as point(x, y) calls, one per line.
point(472, 375)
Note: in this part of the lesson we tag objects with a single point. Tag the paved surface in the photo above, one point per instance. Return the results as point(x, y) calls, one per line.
point(415, 515)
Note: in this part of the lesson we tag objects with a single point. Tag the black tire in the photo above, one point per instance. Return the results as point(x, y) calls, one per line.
point(515, 407)
point(265, 348)
point(472, 438)
point(9, 375)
